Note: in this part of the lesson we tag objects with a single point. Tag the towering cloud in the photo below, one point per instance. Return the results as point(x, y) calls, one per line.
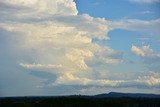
point(50, 36)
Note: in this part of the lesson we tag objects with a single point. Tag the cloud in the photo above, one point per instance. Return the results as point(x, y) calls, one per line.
point(50, 36)
point(41, 7)
point(144, 51)
point(96, 90)
point(145, 12)
point(149, 80)
point(146, 1)
point(75, 80)
point(148, 56)
point(149, 27)
point(40, 66)
point(153, 79)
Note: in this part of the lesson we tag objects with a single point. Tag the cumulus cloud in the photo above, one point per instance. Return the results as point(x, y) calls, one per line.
point(50, 36)
point(152, 60)
point(143, 51)
point(148, 56)
point(152, 79)
point(75, 80)
point(41, 7)
point(145, 1)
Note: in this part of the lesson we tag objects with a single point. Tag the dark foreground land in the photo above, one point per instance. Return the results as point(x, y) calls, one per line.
point(81, 101)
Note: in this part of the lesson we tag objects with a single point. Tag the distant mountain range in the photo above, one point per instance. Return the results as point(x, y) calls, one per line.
point(132, 95)
point(104, 95)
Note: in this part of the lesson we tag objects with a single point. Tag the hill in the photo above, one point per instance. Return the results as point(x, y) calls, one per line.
point(102, 100)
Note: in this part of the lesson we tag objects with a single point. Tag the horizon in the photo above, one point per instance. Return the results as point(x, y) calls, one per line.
point(79, 47)
point(70, 95)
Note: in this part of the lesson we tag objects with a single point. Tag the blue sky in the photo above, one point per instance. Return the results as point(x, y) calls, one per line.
point(63, 47)
point(115, 10)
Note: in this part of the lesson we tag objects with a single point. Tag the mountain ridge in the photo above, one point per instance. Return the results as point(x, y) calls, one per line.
point(133, 95)
point(103, 95)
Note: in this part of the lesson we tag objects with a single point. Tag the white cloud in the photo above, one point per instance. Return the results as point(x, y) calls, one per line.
point(148, 56)
point(152, 80)
point(145, 1)
point(42, 7)
point(145, 12)
point(50, 36)
point(40, 66)
point(137, 25)
point(149, 27)
point(75, 80)
point(143, 51)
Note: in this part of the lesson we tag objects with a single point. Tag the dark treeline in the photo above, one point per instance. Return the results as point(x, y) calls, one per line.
point(79, 101)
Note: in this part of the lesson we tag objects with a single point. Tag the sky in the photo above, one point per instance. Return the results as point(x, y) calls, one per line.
point(88, 47)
